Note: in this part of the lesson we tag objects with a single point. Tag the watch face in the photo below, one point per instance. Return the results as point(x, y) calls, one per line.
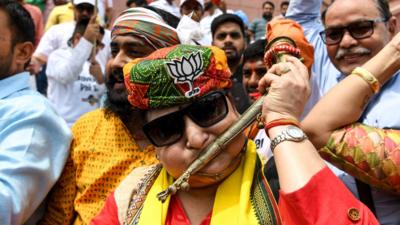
point(295, 132)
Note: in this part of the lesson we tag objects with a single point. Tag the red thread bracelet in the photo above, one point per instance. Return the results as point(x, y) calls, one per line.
point(281, 122)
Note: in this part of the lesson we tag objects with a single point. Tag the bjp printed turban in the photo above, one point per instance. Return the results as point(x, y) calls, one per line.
point(146, 24)
point(291, 29)
point(176, 75)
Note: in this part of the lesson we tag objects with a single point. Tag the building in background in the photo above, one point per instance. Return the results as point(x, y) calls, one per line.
point(253, 7)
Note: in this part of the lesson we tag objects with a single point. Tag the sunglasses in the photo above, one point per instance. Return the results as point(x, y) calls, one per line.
point(358, 30)
point(205, 112)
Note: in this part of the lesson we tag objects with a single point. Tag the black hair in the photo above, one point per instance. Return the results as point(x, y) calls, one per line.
point(269, 3)
point(80, 28)
point(381, 5)
point(168, 18)
point(20, 22)
point(224, 18)
point(284, 3)
point(138, 3)
point(255, 50)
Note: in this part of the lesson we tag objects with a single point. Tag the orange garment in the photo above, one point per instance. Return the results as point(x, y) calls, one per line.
point(102, 153)
point(37, 18)
point(291, 29)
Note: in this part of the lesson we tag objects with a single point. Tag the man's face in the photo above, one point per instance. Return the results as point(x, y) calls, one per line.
point(350, 52)
point(268, 11)
point(229, 37)
point(284, 9)
point(253, 71)
point(124, 49)
point(6, 51)
point(83, 11)
point(192, 6)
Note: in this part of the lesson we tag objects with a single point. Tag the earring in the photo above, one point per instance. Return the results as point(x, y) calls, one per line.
point(157, 157)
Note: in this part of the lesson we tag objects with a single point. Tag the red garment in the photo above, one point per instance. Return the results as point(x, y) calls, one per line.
point(109, 214)
point(324, 200)
point(177, 215)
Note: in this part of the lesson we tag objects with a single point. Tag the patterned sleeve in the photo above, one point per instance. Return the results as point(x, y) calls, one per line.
point(60, 203)
point(370, 154)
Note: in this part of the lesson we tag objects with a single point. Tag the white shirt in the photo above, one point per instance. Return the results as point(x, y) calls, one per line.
point(57, 37)
point(72, 89)
point(205, 23)
point(164, 5)
point(102, 6)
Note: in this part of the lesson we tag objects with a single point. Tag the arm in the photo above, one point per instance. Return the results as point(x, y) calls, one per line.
point(67, 69)
point(33, 148)
point(352, 94)
point(303, 176)
point(368, 153)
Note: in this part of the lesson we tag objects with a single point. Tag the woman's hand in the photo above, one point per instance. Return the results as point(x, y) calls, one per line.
point(289, 89)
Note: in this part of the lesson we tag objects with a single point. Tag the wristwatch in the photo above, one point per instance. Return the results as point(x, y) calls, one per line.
point(291, 133)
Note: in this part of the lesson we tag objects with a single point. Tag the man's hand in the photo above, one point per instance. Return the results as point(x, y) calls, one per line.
point(95, 71)
point(35, 65)
point(289, 89)
point(92, 30)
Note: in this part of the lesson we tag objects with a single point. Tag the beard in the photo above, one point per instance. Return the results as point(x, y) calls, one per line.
point(267, 16)
point(234, 56)
point(117, 98)
point(5, 65)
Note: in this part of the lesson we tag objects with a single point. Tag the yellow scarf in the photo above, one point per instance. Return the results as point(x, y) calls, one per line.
point(232, 204)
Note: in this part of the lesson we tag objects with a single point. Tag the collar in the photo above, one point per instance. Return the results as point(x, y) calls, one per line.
point(13, 84)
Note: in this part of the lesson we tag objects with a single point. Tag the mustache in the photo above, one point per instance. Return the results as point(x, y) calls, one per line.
point(115, 76)
point(341, 53)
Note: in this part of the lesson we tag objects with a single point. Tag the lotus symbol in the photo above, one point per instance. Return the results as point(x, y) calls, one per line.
point(186, 70)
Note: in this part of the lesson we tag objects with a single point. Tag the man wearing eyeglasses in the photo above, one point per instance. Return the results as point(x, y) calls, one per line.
point(350, 34)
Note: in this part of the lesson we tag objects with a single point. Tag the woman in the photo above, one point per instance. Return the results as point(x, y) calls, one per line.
point(182, 91)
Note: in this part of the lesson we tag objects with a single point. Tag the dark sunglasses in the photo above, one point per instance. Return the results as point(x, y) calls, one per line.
point(205, 112)
point(358, 30)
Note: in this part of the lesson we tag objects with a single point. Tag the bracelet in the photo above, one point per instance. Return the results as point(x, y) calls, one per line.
point(281, 122)
point(368, 77)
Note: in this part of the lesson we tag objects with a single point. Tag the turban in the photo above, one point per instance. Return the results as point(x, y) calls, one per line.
point(291, 29)
point(176, 75)
point(146, 24)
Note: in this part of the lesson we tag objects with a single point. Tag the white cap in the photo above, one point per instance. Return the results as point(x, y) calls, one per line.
point(91, 2)
point(201, 2)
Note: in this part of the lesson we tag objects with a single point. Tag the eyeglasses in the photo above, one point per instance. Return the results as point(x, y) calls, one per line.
point(205, 112)
point(358, 30)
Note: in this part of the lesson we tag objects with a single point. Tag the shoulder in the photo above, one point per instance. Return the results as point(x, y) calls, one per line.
point(29, 108)
point(92, 117)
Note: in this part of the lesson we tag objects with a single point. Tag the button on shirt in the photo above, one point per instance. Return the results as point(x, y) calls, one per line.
point(380, 110)
point(34, 144)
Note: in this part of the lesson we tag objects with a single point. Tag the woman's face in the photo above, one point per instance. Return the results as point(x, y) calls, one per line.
point(176, 157)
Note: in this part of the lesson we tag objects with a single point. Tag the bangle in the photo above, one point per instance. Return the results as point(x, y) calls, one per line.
point(281, 122)
point(368, 77)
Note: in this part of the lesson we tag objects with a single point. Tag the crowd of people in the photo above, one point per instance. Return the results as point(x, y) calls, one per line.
point(129, 107)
